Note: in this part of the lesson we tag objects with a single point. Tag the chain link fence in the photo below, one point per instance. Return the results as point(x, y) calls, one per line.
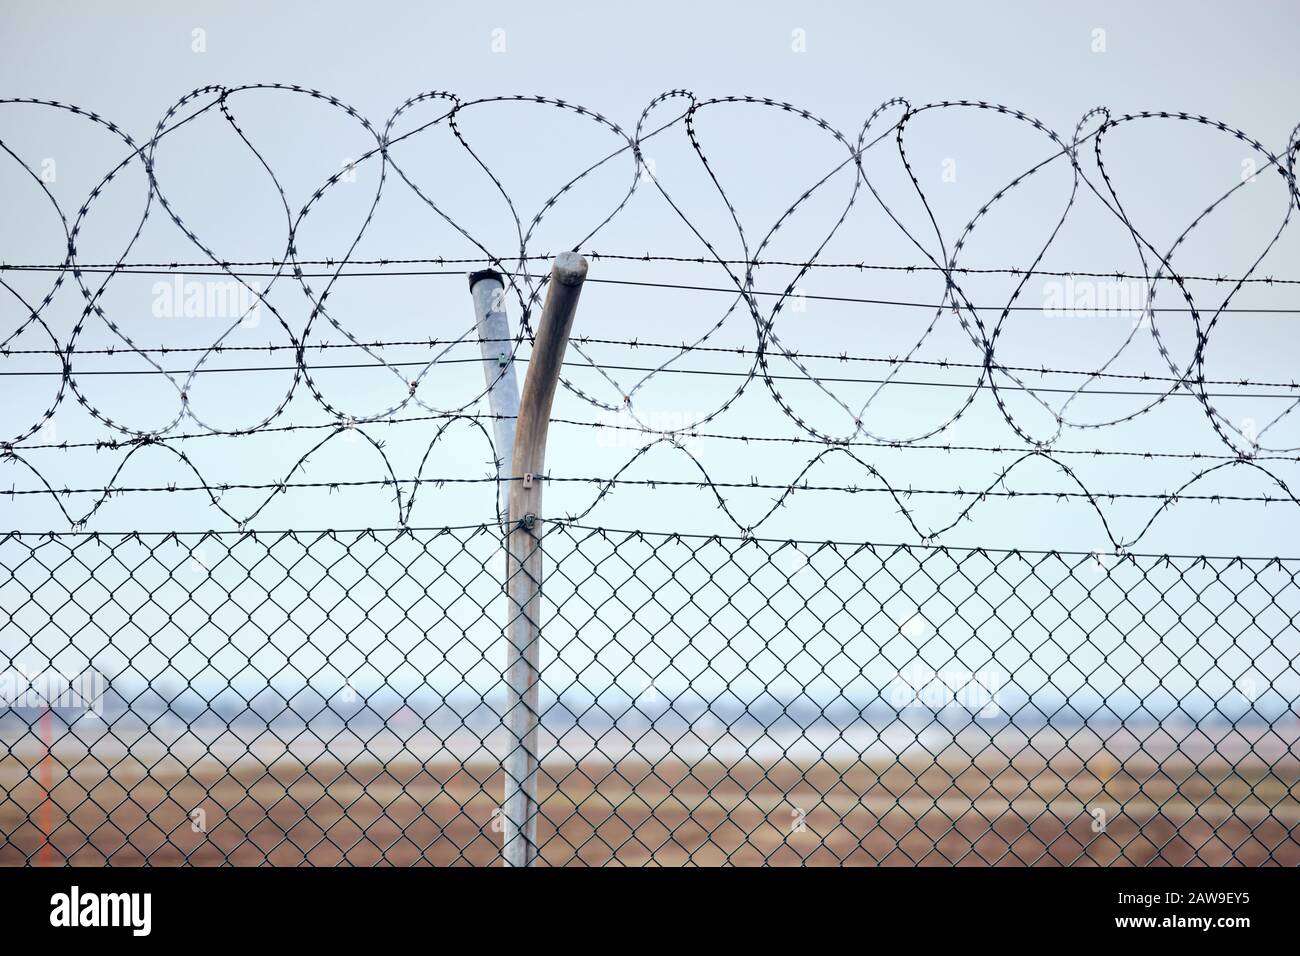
point(337, 697)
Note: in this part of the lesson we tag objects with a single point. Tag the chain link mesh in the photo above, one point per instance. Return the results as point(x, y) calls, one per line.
point(337, 697)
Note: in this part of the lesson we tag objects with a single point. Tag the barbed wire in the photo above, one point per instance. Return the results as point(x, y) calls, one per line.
point(684, 287)
point(612, 425)
point(884, 548)
point(167, 267)
point(715, 372)
point(606, 485)
point(682, 347)
point(615, 426)
point(767, 362)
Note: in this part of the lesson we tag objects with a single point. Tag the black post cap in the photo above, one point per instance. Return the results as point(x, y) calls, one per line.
point(476, 277)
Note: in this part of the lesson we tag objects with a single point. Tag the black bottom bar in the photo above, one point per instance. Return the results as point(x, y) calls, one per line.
point(334, 907)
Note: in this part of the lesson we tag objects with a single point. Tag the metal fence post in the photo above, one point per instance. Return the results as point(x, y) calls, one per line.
point(494, 340)
point(524, 562)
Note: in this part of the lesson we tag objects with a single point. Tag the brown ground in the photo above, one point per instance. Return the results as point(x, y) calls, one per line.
point(633, 813)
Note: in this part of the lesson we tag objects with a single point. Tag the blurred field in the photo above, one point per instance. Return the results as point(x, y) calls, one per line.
point(896, 812)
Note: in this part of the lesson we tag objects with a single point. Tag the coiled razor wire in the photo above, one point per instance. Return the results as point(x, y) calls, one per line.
point(887, 126)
